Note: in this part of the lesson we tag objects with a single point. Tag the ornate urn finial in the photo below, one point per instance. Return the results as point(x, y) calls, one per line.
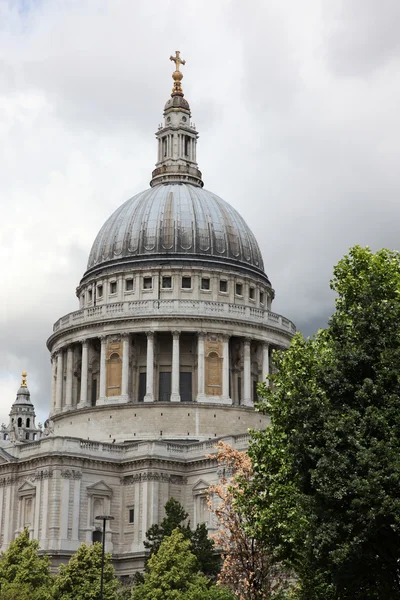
point(23, 382)
point(177, 76)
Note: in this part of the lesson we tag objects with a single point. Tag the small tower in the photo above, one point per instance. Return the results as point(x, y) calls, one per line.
point(177, 138)
point(22, 426)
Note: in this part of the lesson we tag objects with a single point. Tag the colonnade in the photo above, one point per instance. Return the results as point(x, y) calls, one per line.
point(177, 146)
point(63, 385)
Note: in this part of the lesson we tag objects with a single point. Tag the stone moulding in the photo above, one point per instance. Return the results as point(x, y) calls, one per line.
point(175, 308)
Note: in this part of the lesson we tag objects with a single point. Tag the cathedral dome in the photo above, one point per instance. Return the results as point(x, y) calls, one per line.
point(175, 222)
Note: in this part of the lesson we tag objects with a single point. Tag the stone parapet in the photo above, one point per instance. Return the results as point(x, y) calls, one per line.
point(174, 308)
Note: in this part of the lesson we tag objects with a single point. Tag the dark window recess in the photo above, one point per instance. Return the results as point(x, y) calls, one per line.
point(166, 283)
point(19, 423)
point(223, 285)
point(239, 383)
point(147, 283)
point(128, 285)
point(239, 289)
point(28, 422)
point(113, 287)
point(94, 392)
point(164, 387)
point(99, 291)
point(131, 515)
point(255, 395)
point(261, 297)
point(90, 296)
point(186, 283)
point(97, 536)
point(27, 436)
point(185, 386)
point(205, 283)
point(142, 386)
point(252, 293)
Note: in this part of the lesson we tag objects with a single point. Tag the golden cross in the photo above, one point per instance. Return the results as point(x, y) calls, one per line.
point(177, 60)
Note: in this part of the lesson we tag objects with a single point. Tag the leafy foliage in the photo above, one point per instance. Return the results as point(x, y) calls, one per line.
point(201, 545)
point(172, 574)
point(23, 573)
point(326, 486)
point(249, 567)
point(80, 578)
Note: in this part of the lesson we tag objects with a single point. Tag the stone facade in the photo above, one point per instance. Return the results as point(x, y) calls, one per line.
point(174, 331)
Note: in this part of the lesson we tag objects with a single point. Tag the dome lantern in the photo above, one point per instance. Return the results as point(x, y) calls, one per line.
point(177, 138)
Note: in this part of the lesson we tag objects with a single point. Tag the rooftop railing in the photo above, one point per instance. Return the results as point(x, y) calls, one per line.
point(153, 308)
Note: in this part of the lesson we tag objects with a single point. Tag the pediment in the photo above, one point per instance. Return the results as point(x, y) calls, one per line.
point(5, 457)
point(100, 488)
point(200, 487)
point(26, 489)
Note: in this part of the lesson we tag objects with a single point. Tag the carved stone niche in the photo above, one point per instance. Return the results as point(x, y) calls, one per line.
point(213, 367)
point(26, 505)
point(202, 513)
point(99, 501)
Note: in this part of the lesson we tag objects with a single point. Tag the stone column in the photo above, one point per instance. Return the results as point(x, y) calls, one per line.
point(84, 374)
point(125, 366)
point(59, 384)
point(265, 363)
point(102, 387)
point(68, 386)
point(200, 367)
point(225, 367)
point(64, 505)
point(175, 396)
point(247, 373)
point(149, 397)
point(53, 381)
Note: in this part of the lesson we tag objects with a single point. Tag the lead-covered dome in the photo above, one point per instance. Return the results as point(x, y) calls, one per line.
point(176, 221)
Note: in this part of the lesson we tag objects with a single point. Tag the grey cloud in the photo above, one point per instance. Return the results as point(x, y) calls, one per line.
point(362, 35)
point(309, 157)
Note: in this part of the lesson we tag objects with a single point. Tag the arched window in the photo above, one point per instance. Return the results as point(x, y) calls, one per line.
point(19, 422)
point(28, 422)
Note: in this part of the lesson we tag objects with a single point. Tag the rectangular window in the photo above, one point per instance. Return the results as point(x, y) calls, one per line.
point(252, 293)
point(239, 289)
point(131, 515)
point(147, 283)
point(166, 282)
point(99, 291)
point(205, 283)
point(186, 283)
point(223, 286)
point(128, 285)
point(261, 297)
point(113, 287)
point(90, 295)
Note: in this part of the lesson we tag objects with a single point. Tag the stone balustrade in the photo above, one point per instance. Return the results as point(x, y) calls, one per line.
point(159, 448)
point(177, 308)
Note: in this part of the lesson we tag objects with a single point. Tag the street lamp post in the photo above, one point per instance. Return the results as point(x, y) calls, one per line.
point(103, 518)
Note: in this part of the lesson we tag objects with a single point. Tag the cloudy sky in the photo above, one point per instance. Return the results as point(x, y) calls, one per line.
point(297, 105)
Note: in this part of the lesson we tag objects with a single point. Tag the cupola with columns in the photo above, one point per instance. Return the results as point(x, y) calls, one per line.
point(174, 328)
point(22, 427)
point(177, 138)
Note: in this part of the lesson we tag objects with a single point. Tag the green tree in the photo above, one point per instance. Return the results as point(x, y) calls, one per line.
point(24, 572)
point(79, 579)
point(172, 574)
point(326, 485)
point(201, 545)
